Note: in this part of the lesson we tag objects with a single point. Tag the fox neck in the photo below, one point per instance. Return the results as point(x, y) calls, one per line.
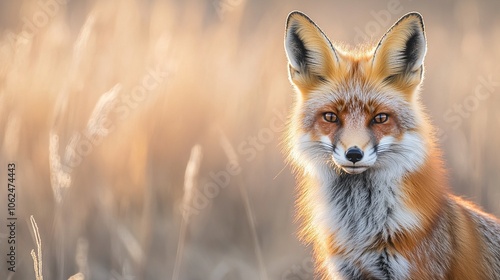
point(366, 207)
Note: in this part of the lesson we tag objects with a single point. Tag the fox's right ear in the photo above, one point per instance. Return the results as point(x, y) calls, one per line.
point(399, 56)
point(310, 54)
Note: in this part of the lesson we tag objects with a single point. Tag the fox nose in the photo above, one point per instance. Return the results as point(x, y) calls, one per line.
point(354, 154)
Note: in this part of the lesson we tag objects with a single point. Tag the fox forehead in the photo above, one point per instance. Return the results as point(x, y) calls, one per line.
point(354, 79)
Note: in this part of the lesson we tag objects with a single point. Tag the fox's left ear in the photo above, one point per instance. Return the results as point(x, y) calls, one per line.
point(399, 56)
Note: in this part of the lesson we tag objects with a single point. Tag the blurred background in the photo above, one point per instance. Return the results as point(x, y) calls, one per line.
point(146, 134)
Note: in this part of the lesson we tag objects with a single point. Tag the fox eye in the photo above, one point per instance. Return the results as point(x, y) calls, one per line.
point(330, 117)
point(381, 118)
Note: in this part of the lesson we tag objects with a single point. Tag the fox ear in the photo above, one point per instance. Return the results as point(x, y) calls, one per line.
point(399, 56)
point(310, 54)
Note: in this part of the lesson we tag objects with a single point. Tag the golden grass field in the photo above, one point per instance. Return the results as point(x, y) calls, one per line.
point(145, 134)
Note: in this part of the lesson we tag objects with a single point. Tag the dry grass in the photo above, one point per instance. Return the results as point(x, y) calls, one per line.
point(37, 257)
point(190, 182)
point(102, 105)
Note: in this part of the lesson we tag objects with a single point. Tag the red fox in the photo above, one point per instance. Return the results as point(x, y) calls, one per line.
point(373, 197)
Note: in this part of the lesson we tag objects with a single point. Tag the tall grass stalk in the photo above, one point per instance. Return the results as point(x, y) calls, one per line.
point(190, 179)
point(60, 178)
point(37, 257)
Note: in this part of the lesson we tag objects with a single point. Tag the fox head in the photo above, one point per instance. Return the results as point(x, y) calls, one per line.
point(358, 109)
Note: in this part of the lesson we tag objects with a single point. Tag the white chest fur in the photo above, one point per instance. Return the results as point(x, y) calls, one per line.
point(359, 210)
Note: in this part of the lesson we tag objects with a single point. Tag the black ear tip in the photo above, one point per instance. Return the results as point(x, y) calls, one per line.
point(292, 15)
point(295, 12)
point(413, 16)
point(295, 15)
